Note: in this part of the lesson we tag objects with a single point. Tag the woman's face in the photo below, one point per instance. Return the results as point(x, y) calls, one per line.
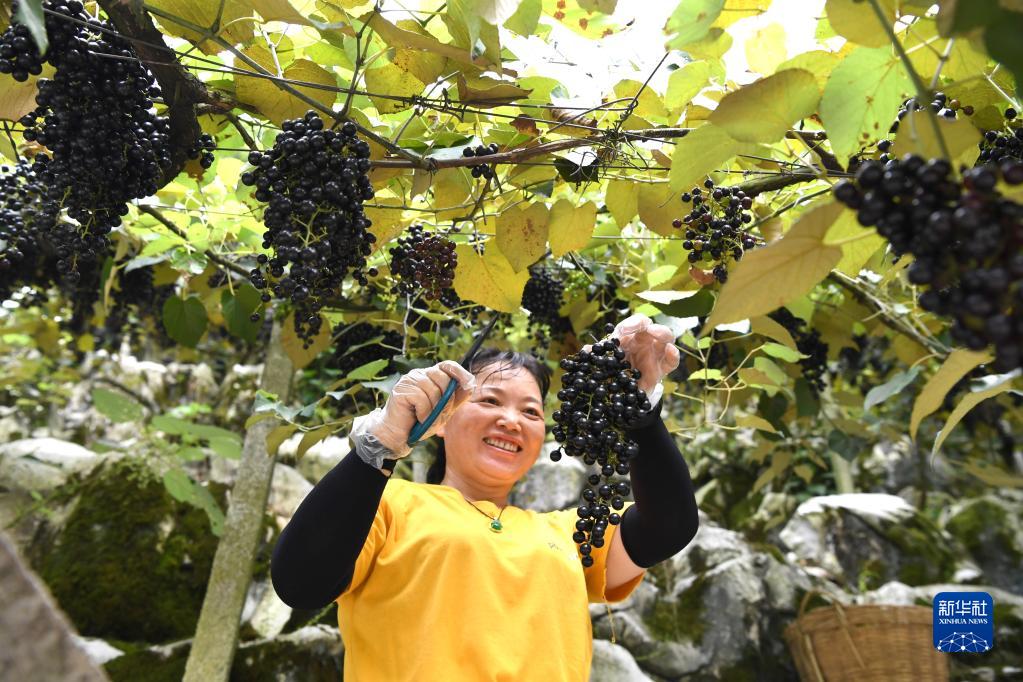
point(495, 436)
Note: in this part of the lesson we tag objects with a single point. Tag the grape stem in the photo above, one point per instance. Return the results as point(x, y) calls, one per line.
point(922, 93)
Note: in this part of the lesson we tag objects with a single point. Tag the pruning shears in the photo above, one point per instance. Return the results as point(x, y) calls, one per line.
point(422, 427)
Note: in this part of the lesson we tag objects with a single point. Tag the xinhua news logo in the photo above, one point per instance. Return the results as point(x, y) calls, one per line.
point(964, 622)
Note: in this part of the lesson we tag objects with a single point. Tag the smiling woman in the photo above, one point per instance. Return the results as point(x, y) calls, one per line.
point(480, 597)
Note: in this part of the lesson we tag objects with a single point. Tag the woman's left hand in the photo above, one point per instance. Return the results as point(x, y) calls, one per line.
point(648, 347)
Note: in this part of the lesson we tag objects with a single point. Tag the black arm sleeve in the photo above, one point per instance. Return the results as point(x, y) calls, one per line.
point(315, 554)
point(664, 518)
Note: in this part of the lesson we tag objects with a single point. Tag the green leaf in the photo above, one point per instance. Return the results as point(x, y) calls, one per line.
point(311, 438)
point(770, 277)
point(184, 320)
point(700, 153)
point(861, 99)
point(808, 403)
point(691, 21)
point(1003, 42)
point(116, 406)
point(171, 425)
point(846, 446)
point(237, 310)
point(30, 14)
point(526, 17)
point(706, 375)
point(777, 350)
point(697, 305)
point(179, 485)
point(957, 365)
point(367, 371)
point(765, 110)
point(879, 394)
point(685, 83)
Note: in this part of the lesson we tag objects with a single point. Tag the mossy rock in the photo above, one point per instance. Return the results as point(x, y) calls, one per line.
point(307, 656)
point(989, 531)
point(673, 620)
point(130, 562)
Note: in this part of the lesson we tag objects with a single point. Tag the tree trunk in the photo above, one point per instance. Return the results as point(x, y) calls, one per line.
point(216, 635)
point(843, 474)
point(38, 641)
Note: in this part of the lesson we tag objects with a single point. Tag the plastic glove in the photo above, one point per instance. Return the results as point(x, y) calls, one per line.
point(383, 433)
point(650, 348)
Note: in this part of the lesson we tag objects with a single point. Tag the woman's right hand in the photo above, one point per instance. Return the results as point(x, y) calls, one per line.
point(412, 400)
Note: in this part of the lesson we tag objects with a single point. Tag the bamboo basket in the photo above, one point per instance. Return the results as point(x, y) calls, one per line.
point(865, 643)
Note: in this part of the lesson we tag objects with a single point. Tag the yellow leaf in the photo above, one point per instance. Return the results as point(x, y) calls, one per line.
point(395, 82)
point(751, 421)
point(571, 226)
point(734, 10)
point(779, 463)
point(401, 38)
point(765, 110)
point(17, 99)
point(522, 235)
point(278, 436)
point(451, 187)
point(859, 243)
point(713, 46)
point(969, 401)
point(993, 475)
point(766, 49)
point(276, 104)
point(958, 364)
point(916, 136)
point(295, 347)
point(622, 200)
point(235, 20)
point(907, 350)
point(765, 326)
point(770, 277)
point(658, 206)
point(425, 66)
point(489, 279)
point(483, 91)
point(388, 222)
point(649, 104)
point(857, 22)
point(279, 10)
point(804, 471)
point(818, 62)
point(700, 153)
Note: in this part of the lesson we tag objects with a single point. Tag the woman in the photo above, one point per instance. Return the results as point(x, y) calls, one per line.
point(429, 589)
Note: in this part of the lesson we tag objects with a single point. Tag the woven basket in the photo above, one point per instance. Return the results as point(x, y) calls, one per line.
point(865, 643)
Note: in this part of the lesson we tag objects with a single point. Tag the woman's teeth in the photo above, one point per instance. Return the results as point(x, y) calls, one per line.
point(503, 445)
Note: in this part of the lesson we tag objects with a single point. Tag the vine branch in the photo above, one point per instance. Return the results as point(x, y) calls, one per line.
point(227, 265)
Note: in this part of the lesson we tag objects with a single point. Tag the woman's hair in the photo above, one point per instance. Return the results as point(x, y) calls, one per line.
point(503, 359)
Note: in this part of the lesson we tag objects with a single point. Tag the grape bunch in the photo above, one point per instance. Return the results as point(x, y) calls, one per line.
point(361, 342)
point(482, 170)
point(202, 149)
point(966, 239)
point(714, 227)
point(106, 145)
point(423, 261)
point(135, 298)
point(18, 54)
point(808, 342)
point(599, 399)
point(542, 297)
point(940, 104)
point(1002, 145)
point(314, 182)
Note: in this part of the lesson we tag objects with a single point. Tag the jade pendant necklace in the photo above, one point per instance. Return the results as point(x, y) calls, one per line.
point(495, 521)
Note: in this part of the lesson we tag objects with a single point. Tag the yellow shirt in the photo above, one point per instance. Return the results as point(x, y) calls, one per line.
point(438, 596)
